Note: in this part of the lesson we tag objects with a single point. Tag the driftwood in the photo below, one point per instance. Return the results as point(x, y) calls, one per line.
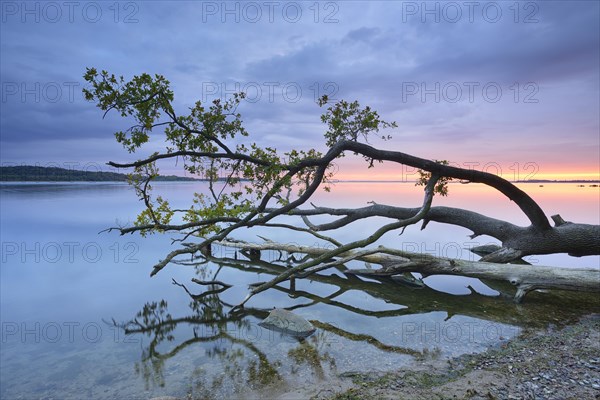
point(394, 262)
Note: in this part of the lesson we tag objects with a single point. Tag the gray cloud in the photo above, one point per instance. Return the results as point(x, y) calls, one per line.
point(373, 53)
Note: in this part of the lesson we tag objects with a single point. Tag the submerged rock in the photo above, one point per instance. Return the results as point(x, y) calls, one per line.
point(287, 322)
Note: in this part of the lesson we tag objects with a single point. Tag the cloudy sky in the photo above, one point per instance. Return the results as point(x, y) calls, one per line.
point(512, 88)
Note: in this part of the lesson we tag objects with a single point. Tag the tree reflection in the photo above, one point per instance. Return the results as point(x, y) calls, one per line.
point(244, 362)
point(210, 322)
point(417, 299)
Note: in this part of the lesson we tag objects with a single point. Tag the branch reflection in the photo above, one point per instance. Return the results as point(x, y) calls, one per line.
point(246, 362)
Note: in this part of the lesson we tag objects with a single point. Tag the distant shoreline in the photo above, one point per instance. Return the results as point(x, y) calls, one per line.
point(57, 175)
point(531, 181)
point(61, 175)
point(557, 181)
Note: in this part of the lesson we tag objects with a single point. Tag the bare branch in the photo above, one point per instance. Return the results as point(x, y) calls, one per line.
point(353, 245)
point(187, 153)
point(394, 262)
point(531, 209)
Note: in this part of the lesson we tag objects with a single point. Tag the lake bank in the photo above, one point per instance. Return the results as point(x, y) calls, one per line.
point(542, 364)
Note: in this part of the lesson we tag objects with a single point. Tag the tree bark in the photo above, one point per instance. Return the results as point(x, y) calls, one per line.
point(524, 278)
point(566, 237)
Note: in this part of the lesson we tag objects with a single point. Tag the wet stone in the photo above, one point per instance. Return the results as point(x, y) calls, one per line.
point(287, 322)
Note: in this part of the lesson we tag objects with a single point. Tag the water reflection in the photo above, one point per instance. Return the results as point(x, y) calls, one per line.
point(210, 323)
point(55, 345)
point(234, 356)
point(213, 324)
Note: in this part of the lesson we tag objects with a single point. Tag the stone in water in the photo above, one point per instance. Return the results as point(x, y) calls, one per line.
point(287, 322)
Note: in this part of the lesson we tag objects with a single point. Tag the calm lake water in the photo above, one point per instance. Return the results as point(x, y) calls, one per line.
point(81, 318)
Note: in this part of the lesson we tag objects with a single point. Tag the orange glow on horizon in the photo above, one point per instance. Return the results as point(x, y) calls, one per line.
point(410, 175)
point(592, 177)
point(552, 197)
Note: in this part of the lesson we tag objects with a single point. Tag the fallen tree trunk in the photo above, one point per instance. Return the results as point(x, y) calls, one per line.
point(566, 237)
point(565, 306)
point(395, 262)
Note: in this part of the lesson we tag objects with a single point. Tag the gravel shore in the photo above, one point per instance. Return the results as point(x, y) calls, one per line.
point(539, 364)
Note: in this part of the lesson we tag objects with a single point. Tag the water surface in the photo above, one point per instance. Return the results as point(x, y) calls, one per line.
point(81, 318)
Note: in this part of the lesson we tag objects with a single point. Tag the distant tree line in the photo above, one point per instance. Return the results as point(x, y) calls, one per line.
point(29, 173)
